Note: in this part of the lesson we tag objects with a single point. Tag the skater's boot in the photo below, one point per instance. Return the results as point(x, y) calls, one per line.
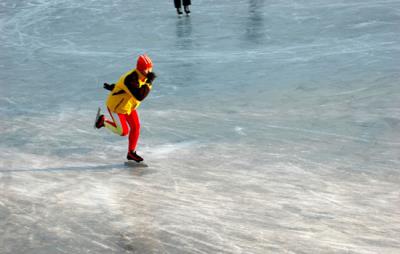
point(132, 155)
point(179, 11)
point(186, 8)
point(100, 121)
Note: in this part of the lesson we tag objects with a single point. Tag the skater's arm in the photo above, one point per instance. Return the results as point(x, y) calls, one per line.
point(142, 92)
point(131, 82)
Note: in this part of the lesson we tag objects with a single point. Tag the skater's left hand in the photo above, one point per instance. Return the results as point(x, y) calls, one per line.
point(108, 86)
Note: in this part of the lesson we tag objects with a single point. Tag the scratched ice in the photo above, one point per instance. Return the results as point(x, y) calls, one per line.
point(273, 127)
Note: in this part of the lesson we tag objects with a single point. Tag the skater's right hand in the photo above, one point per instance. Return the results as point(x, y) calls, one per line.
point(150, 77)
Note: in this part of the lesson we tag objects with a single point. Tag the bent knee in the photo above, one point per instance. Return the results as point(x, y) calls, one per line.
point(123, 131)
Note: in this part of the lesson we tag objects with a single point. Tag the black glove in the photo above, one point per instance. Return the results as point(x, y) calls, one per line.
point(150, 77)
point(109, 87)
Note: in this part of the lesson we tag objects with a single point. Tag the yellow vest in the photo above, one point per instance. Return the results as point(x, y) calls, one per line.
point(120, 100)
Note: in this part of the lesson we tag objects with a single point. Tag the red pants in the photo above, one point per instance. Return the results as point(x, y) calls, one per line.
point(120, 127)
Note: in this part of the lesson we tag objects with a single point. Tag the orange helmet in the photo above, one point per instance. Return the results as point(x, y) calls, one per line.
point(144, 63)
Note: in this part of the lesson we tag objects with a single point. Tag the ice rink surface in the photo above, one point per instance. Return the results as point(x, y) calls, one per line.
point(273, 127)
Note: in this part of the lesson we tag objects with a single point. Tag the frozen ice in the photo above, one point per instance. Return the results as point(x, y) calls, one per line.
point(273, 127)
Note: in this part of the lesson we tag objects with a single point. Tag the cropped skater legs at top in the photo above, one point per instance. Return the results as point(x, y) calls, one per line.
point(178, 6)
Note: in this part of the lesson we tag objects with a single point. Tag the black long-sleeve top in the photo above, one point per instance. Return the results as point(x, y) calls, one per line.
point(132, 83)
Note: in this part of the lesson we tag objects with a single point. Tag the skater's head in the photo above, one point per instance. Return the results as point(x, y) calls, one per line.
point(144, 64)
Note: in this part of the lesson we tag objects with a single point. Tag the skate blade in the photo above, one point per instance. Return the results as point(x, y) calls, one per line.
point(134, 164)
point(97, 117)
